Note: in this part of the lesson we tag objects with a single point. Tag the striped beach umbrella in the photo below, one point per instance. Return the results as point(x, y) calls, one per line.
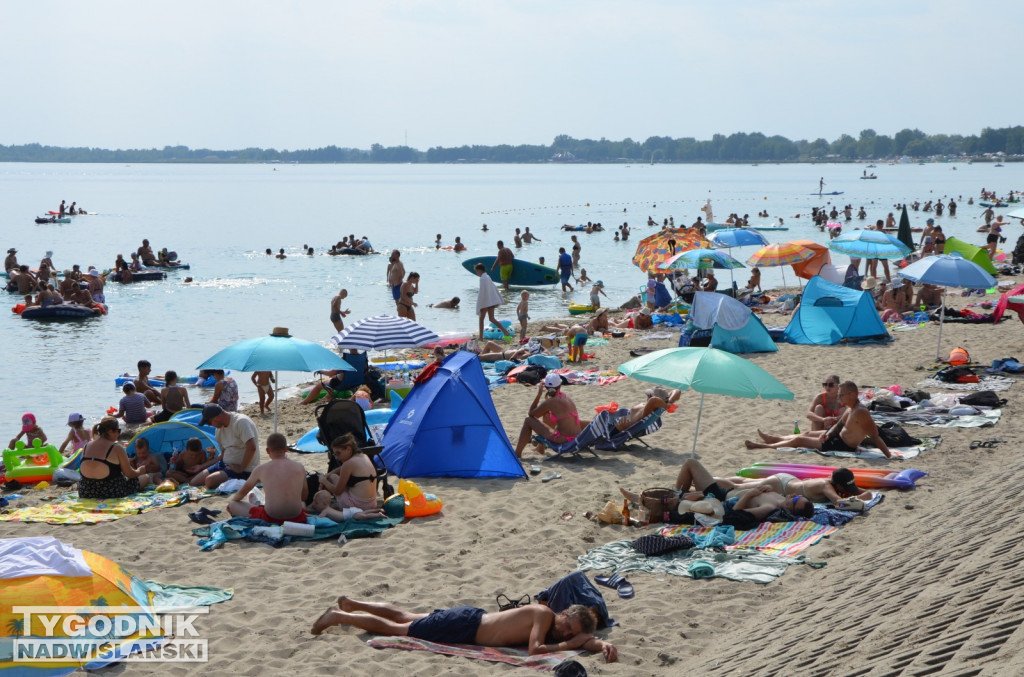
point(655, 249)
point(780, 254)
point(383, 332)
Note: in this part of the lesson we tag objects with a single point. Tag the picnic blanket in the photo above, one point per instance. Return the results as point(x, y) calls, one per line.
point(517, 657)
point(743, 565)
point(70, 509)
point(786, 539)
point(996, 383)
point(938, 418)
point(901, 453)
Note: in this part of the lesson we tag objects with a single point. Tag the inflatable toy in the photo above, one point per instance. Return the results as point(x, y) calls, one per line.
point(30, 465)
point(492, 333)
point(418, 504)
point(579, 308)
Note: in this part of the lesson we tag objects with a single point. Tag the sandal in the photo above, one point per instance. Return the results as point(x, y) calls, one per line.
point(509, 603)
point(623, 586)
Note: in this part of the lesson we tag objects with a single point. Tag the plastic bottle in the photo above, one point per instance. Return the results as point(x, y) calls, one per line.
point(796, 427)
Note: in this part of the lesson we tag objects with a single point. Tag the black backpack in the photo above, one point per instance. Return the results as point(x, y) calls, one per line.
point(894, 435)
point(983, 398)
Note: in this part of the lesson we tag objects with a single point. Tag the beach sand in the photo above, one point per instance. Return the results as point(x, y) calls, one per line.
point(927, 583)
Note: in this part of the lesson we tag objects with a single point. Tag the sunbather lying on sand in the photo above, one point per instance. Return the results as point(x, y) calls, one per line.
point(854, 426)
point(820, 489)
point(535, 626)
point(657, 398)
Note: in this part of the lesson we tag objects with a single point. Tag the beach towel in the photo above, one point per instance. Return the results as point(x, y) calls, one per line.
point(163, 595)
point(985, 382)
point(938, 418)
point(517, 657)
point(70, 509)
point(785, 539)
point(872, 453)
point(749, 566)
point(592, 377)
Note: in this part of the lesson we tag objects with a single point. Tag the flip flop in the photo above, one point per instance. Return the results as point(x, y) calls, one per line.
point(534, 469)
point(620, 584)
point(552, 476)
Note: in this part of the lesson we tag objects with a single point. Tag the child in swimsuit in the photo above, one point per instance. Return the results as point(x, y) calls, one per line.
point(30, 430)
point(523, 313)
point(78, 436)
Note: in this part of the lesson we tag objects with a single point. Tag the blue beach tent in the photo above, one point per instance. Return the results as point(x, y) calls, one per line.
point(170, 437)
point(448, 427)
point(734, 327)
point(829, 313)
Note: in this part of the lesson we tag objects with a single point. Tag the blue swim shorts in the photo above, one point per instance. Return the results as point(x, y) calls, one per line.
point(457, 625)
point(222, 466)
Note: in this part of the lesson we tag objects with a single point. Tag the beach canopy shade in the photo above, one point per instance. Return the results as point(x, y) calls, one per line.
point(970, 252)
point(869, 244)
point(727, 238)
point(276, 352)
point(654, 250)
point(383, 332)
point(904, 234)
point(947, 270)
point(700, 259)
point(1011, 300)
point(706, 370)
point(812, 266)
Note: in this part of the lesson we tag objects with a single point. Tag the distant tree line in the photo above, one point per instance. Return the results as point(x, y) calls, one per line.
point(738, 147)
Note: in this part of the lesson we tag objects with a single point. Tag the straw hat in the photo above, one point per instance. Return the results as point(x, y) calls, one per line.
point(281, 331)
point(869, 282)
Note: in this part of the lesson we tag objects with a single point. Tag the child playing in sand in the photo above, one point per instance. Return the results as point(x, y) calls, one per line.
point(188, 462)
point(596, 292)
point(78, 436)
point(31, 430)
point(577, 335)
point(284, 485)
point(322, 506)
point(523, 313)
point(264, 380)
point(148, 461)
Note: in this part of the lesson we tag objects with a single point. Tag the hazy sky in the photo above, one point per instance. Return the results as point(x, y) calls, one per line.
point(228, 74)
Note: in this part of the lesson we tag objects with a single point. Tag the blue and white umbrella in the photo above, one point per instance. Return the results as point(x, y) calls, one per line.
point(383, 332)
point(869, 244)
point(728, 238)
point(947, 270)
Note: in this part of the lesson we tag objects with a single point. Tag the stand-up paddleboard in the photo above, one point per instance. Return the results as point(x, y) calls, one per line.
point(834, 192)
point(524, 273)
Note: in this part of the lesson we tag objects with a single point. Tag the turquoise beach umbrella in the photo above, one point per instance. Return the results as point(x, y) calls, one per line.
point(706, 370)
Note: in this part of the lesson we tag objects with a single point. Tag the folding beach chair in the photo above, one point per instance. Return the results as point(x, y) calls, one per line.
point(616, 439)
point(337, 417)
point(597, 430)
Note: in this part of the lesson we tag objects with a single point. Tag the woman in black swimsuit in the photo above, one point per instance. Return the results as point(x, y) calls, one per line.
point(354, 482)
point(408, 290)
point(118, 478)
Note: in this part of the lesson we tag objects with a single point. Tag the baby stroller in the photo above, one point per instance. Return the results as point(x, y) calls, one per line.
point(337, 417)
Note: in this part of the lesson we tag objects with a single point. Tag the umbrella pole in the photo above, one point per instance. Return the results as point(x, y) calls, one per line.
point(696, 427)
point(942, 315)
point(276, 400)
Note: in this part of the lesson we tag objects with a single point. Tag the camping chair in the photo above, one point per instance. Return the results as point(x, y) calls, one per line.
point(616, 439)
point(595, 431)
point(337, 417)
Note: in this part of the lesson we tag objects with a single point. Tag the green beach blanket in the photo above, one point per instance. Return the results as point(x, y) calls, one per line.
point(70, 509)
point(517, 657)
point(163, 595)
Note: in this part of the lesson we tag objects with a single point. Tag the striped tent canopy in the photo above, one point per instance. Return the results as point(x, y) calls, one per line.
point(383, 332)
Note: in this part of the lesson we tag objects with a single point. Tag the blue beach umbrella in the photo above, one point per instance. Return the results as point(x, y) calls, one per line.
point(727, 238)
point(276, 352)
point(869, 244)
point(702, 259)
point(706, 370)
point(947, 270)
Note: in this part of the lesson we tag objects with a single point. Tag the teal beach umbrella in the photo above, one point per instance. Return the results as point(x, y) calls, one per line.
point(706, 370)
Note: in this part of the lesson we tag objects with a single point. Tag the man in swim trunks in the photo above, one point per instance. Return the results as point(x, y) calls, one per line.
point(284, 485)
point(336, 312)
point(238, 440)
point(657, 398)
point(535, 626)
point(396, 276)
point(505, 261)
point(854, 426)
point(555, 419)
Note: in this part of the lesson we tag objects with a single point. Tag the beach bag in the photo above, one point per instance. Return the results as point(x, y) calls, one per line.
point(532, 375)
point(894, 435)
point(958, 374)
point(653, 545)
point(659, 494)
point(983, 398)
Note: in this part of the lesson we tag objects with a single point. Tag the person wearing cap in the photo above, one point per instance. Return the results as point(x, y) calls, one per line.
point(31, 431)
point(854, 426)
point(926, 235)
point(596, 292)
point(555, 419)
point(11, 262)
point(643, 319)
point(657, 398)
point(239, 447)
point(78, 435)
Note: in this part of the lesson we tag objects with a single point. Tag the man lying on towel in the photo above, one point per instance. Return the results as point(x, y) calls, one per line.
point(537, 627)
point(854, 426)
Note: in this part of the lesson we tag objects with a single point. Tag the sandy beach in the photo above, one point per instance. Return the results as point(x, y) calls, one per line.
point(926, 583)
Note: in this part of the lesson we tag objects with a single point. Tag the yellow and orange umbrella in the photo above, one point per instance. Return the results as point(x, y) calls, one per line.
point(809, 268)
point(655, 249)
point(780, 254)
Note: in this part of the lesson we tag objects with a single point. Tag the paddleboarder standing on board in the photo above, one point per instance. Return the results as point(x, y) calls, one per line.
point(821, 185)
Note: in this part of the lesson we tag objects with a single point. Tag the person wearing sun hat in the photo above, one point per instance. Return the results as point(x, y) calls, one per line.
point(78, 436)
point(596, 292)
point(31, 431)
point(555, 419)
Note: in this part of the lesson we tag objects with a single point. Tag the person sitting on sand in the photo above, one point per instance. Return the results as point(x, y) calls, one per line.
point(643, 319)
point(853, 427)
point(535, 626)
point(710, 282)
point(825, 408)
point(132, 407)
point(284, 486)
point(238, 440)
point(354, 481)
point(755, 279)
point(149, 462)
point(321, 506)
point(657, 398)
point(189, 462)
point(449, 304)
point(555, 419)
point(929, 296)
point(711, 496)
point(105, 469)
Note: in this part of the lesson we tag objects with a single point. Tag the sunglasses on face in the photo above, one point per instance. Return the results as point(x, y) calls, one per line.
point(826, 384)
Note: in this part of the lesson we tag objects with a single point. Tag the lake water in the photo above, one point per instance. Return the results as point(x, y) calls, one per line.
point(220, 219)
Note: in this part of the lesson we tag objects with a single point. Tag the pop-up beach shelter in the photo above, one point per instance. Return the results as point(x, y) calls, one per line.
point(970, 252)
point(170, 437)
point(734, 328)
point(829, 313)
point(448, 427)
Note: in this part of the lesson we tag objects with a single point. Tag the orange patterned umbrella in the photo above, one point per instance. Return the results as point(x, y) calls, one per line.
point(809, 268)
point(654, 250)
point(780, 254)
